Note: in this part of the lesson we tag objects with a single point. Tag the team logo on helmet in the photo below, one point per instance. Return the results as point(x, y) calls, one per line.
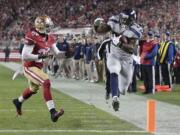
point(43, 24)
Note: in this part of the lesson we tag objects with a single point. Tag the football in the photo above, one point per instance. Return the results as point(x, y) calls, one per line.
point(94, 67)
point(98, 21)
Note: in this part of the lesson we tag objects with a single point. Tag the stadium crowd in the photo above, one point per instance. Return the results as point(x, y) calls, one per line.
point(80, 61)
point(17, 16)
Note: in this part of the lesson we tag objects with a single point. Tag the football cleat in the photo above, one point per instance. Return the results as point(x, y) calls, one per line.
point(55, 115)
point(18, 105)
point(115, 103)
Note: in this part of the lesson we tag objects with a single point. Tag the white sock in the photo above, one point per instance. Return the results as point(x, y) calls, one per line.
point(115, 98)
point(21, 99)
point(50, 104)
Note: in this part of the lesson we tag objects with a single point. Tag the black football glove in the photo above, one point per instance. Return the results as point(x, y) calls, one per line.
point(43, 56)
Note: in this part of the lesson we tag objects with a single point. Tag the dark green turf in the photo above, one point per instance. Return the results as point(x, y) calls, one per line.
point(36, 116)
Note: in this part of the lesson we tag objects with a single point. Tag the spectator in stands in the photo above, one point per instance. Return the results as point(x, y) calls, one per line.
point(21, 45)
point(177, 67)
point(88, 59)
point(149, 52)
point(77, 57)
point(69, 56)
point(81, 13)
point(7, 52)
point(62, 45)
point(157, 65)
point(166, 57)
point(94, 59)
point(17, 18)
point(82, 59)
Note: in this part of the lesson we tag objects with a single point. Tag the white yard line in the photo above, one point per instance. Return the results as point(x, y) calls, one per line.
point(70, 131)
point(132, 107)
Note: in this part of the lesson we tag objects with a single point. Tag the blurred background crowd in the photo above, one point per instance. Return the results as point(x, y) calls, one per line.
point(18, 15)
point(80, 61)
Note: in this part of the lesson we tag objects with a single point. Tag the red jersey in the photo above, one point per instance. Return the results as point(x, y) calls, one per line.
point(42, 44)
point(147, 48)
point(177, 60)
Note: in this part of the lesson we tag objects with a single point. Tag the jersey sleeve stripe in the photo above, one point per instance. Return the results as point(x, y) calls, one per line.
point(113, 20)
point(135, 32)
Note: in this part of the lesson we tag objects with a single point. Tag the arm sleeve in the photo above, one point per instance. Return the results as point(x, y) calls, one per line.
point(152, 53)
point(27, 53)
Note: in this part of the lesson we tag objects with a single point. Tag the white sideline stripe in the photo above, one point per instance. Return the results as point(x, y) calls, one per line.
point(61, 130)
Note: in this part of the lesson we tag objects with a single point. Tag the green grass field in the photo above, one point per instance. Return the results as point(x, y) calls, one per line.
point(168, 97)
point(77, 120)
point(172, 97)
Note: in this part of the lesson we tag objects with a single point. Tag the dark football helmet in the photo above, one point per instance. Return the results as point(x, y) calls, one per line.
point(127, 17)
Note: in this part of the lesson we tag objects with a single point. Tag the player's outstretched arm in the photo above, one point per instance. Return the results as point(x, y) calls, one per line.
point(28, 56)
point(27, 53)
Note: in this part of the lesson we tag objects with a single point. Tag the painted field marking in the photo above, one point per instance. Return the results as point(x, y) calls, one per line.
point(61, 130)
point(151, 116)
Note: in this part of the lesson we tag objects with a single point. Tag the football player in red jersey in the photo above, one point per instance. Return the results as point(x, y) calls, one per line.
point(38, 45)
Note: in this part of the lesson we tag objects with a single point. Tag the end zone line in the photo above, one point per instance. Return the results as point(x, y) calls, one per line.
point(61, 130)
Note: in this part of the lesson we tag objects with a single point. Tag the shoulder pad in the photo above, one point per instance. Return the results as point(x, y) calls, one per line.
point(137, 30)
point(114, 19)
point(30, 37)
point(52, 39)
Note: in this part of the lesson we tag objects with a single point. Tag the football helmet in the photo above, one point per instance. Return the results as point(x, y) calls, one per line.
point(127, 16)
point(43, 24)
